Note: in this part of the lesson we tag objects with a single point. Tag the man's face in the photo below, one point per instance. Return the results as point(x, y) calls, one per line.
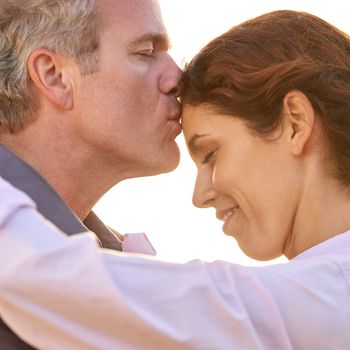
point(127, 112)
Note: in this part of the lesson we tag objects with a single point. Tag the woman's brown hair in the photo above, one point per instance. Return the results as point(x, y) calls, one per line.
point(247, 71)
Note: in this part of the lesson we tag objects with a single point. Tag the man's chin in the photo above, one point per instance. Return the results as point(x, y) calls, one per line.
point(167, 164)
point(174, 161)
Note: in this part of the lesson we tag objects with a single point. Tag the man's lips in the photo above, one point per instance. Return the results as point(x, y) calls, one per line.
point(174, 112)
point(175, 116)
point(175, 125)
point(174, 120)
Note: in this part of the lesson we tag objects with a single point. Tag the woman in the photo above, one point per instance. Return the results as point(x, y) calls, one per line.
point(266, 112)
point(266, 116)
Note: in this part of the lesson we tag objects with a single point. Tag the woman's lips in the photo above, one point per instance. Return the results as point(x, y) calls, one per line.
point(227, 217)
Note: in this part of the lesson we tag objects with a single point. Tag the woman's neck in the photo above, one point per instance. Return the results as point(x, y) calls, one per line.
point(323, 213)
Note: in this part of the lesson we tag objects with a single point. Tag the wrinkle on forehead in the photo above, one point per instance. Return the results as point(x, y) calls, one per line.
point(132, 20)
point(129, 9)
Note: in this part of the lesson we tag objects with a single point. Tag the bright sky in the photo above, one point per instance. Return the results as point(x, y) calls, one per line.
point(161, 206)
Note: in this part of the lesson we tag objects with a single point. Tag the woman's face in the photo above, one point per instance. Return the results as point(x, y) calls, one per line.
point(254, 184)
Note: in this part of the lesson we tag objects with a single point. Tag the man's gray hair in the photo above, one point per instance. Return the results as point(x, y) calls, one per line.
point(67, 27)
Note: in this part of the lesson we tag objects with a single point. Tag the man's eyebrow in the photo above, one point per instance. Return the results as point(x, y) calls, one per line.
point(156, 38)
point(192, 142)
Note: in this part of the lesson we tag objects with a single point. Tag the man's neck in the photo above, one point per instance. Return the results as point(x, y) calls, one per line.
point(74, 175)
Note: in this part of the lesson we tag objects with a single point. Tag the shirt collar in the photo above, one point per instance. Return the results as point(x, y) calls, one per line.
point(49, 203)
point(337, 245)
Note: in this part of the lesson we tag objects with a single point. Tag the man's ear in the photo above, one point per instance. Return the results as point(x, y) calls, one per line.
point(50, 76)
point(299, 118)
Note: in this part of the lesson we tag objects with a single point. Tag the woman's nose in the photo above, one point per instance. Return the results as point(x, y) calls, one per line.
point(204, 193)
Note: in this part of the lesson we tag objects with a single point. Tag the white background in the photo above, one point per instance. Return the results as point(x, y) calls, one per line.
point(161, 206)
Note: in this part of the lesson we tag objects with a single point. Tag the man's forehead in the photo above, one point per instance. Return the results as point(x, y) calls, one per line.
point(149, 8)
point(137, 15)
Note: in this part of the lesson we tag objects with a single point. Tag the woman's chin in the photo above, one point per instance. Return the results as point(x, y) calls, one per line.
point(257, 251)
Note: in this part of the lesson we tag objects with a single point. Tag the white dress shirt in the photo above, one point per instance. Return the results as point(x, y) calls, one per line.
point(54, 298)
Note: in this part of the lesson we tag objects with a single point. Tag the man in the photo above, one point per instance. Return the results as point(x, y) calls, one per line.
point(87, 99)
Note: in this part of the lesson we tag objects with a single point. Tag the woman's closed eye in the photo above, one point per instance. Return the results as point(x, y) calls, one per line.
point(208, 157)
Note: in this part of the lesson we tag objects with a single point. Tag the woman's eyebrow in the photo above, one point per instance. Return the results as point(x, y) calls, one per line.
point(192, 146)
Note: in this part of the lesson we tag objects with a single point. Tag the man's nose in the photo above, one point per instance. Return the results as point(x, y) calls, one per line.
point(168, 83)
point(204, 193)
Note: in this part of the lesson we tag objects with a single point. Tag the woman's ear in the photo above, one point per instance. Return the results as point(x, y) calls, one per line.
point(49, 74)
point(299, 118)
